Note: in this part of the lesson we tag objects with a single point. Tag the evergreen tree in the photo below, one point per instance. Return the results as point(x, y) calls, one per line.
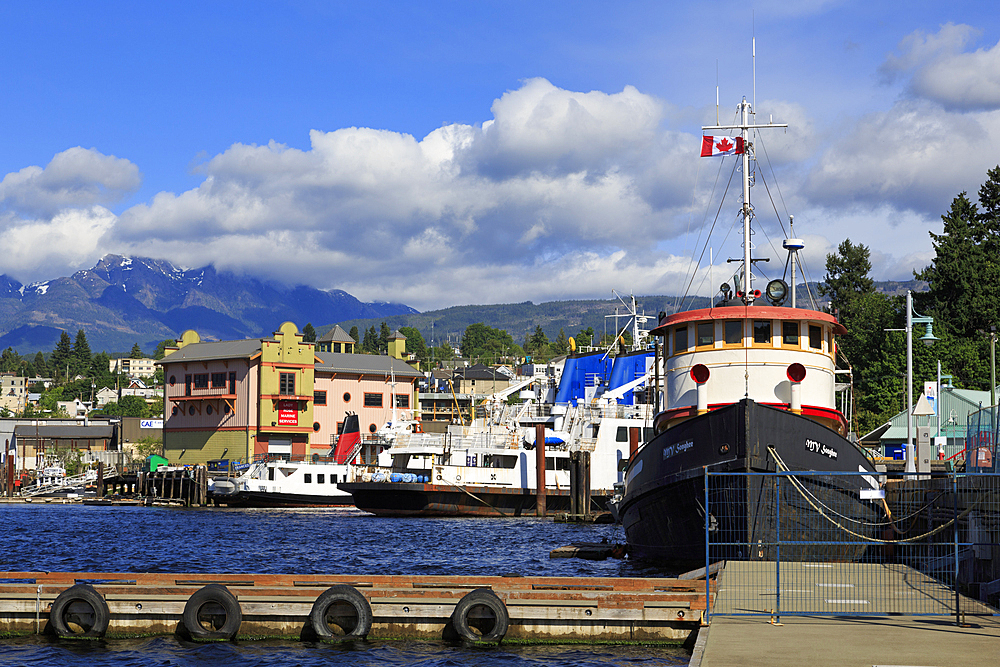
point(561, 344)
point(9, 360)
point(81, 354)
point(964, 277)
point(414, 342)
point(136, 352)
point(383, 339)
point(585, 337)
point(62, 356)
point(872, 355)
point(41, 368)
point(538, 339)
point(100, 371)
point(370, 344)
point(847, 277)
point(354, 334)
point(308, 333)
point(964, 272)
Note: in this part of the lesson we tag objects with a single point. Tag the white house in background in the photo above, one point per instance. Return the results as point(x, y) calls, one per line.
point(105, 396)
point(135, 388)
point(74, 408)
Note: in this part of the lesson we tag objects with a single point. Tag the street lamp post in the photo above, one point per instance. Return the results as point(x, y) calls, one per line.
point(928, 338)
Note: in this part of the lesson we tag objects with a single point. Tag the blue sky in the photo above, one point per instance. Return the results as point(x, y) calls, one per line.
point(444, 153)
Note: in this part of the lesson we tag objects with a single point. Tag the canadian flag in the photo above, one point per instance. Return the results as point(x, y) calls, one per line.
point(714, 146)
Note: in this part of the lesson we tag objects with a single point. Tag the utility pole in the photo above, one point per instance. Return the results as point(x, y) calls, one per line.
point(993, 365)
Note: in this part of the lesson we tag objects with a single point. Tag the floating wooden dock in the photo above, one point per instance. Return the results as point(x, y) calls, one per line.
point(284, 605)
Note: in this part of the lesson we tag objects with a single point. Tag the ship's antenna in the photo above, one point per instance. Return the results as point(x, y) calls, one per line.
point(717, 91)
point(711, 283)
point(745, 126)
point(753, 55)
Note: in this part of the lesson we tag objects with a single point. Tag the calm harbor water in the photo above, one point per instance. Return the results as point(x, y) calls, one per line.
point(142, 539)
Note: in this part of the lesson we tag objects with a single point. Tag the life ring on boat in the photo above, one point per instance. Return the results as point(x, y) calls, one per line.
point(212, 613)
point(341, 613)
point(80, 611)
point(481, 617)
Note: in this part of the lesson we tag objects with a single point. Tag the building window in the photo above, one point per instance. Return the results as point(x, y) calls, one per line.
point(336, 348)
point(319, 398)
point(173, 380)
point(173, 411)
point(734, 332)
point(208, 409)
point(621, 435)
point(232, 382)
point(307, 478)
point(815, 337)
point(762, 331)
point(347, 397)
point(706, 333)
point(286, 384)
point(372, 428)
point(340, 430)
point(402, 401)
point(680, 339)
point(218, 380)
point(320, 478)
point(201, 380)
point(373, 401)
point(790, 333)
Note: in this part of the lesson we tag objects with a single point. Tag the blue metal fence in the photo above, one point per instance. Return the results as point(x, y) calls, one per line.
point(818, 543)
point(981, 441)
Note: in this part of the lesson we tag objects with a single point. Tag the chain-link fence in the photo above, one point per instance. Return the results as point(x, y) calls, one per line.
point(820, 543)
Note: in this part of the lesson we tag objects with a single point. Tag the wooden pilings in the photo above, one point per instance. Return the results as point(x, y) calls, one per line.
point(540, 469)
point(188, 485)
point(579, 483)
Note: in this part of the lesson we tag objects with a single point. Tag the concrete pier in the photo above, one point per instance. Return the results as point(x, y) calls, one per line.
point(841, 635)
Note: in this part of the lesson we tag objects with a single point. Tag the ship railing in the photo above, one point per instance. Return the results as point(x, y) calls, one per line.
point(294, 458)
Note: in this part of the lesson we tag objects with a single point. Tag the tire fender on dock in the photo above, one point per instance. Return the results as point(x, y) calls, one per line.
point(80, 611)
point(481, 617)
point(212, 613)
point(341, 613)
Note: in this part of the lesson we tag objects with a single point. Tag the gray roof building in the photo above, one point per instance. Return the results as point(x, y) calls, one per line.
point(226, 349)
point(336, 335)
point(367, 364)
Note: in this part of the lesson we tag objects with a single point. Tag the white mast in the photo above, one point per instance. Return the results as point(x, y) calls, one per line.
point(745, 127)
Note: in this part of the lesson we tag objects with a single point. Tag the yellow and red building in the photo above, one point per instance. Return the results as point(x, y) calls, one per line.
point(245, 398)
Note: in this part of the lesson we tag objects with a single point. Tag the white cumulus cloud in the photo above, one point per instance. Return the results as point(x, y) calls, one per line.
point(75, 178)
point(941, 70)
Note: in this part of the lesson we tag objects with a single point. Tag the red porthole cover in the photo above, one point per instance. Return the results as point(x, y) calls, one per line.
point(796, 372)
point(700, 373)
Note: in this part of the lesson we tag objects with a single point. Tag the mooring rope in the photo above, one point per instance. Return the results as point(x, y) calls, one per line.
point(847, 530)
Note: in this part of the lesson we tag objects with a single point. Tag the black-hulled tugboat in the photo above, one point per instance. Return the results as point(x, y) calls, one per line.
point(749, 387)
